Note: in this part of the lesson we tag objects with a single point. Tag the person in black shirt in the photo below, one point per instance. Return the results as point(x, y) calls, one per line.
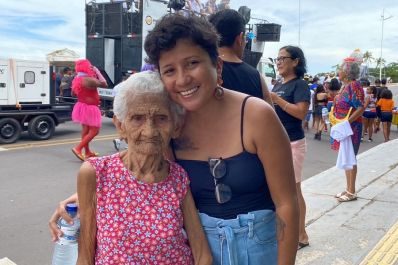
point(292, 98)
point(236, 74)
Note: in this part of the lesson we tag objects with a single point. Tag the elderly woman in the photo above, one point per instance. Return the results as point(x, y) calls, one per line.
point(136, 199)
point(292, 98)
point(348, 104)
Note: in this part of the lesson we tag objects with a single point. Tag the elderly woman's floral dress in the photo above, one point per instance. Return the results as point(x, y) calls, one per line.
point(350, 96)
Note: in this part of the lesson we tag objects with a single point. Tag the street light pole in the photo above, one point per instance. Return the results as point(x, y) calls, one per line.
point(299, 22)
point(381, 43)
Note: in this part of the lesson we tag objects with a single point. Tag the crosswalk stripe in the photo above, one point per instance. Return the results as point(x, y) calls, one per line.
point(6, 261)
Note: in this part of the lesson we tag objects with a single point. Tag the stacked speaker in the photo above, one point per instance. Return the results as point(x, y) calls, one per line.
point(268, 32)
point(114, 21)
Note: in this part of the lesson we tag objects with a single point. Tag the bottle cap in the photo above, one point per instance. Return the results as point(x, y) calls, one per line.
point(71, 207)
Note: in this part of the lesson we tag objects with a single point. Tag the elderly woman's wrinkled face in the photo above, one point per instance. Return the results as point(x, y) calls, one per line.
point(148, 126)
point(342, 73)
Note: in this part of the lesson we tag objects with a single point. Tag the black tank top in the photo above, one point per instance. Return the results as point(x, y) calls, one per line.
point(245, 176)
point(242, 77)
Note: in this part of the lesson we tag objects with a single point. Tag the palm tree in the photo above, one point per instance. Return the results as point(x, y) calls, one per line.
point(368, 58)
point(336, 68)
point(380, 62)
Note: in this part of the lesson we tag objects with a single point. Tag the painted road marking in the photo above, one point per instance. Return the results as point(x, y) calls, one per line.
point(386, 250)
point(6, 261)
point(54, 142)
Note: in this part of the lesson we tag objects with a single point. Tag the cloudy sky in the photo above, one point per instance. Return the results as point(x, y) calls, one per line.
point(329, 30)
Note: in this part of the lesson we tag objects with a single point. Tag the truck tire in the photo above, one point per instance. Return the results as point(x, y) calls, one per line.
point(10, 130)
point(41, 127)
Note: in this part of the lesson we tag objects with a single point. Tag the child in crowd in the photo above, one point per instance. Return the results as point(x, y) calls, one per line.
point(386, 104)
point(369, 114)
point(320, 101)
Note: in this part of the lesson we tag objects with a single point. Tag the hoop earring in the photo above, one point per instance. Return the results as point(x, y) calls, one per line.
point(219, 92)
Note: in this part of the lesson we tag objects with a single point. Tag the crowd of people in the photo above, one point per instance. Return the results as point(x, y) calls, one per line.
point(205, 8)
point(211, 150)
point(378, 106)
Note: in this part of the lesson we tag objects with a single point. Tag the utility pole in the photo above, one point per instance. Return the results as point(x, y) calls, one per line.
point(381, 43)
point(299, 22)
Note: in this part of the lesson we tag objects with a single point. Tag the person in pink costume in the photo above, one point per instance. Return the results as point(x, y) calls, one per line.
point(86, 110)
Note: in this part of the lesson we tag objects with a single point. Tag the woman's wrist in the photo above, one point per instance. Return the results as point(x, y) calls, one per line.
point(285, 106)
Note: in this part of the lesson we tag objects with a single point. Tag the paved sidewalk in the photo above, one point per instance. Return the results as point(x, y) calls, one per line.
point(345, 233)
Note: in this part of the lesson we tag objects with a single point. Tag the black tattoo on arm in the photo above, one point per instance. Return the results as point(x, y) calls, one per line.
point(184, 143)
point(280, 228)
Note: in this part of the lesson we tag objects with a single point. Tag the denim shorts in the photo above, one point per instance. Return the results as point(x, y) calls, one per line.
point(386, 116)
point(249, 239)
point(369, 114)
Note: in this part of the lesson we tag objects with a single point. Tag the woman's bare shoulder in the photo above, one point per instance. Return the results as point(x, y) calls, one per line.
point(87, 170)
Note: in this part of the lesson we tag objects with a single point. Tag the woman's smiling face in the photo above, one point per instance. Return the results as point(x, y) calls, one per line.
point(188, 74)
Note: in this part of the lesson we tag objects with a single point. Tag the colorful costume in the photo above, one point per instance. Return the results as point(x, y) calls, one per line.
point(86, 110)
point(351, 96)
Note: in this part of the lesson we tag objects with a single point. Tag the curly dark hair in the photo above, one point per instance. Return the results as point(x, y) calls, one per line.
point(386, 93)
point(373, 92)
point(334, 84)
point(173, 27)
point(297, 53)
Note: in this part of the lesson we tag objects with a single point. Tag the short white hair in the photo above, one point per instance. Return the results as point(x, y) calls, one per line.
point(147, 82)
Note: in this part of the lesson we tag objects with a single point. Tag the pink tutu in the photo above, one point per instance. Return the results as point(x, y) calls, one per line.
point(86, 114)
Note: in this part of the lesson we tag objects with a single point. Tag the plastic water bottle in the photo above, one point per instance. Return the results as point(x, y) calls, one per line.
point(325, 115)
point(65, 251)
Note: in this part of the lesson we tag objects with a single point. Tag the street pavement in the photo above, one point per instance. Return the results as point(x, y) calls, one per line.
point(347, 233)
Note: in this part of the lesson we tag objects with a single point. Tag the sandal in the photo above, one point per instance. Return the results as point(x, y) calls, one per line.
point(78, 154)
point(338, 195)
point(347, 197)
point(302, 245)
point(91, 154)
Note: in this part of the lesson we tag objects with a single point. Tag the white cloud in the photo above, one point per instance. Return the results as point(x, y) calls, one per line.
point(330, 30)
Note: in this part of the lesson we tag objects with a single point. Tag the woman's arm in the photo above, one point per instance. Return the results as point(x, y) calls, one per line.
point(92, 83)
point(86, 182)
point(367, 100)
point(298, 110)
point(266, 93)
point(357, 101)
point(196, 236)
point(356, 114)
point(266, 135)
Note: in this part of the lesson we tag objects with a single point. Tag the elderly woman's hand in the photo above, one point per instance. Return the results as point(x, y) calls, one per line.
point(60, 212)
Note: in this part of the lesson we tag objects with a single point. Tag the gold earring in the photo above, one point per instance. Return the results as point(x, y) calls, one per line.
point(219, 92)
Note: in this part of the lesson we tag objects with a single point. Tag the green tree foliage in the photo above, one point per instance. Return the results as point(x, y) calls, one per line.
point(390, 70)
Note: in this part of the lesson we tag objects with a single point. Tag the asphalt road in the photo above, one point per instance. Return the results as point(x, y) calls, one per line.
point(36, 175)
